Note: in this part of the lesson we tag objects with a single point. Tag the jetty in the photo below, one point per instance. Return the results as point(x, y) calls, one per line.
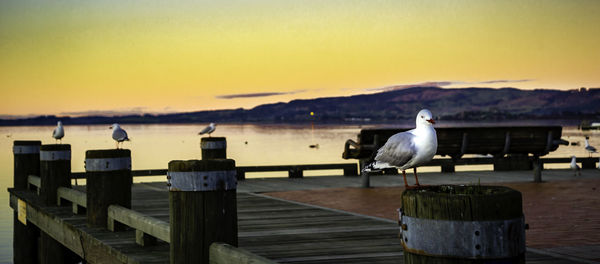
point(113, 219)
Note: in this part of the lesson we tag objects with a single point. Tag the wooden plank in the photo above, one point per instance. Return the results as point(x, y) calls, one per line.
point(221, 253)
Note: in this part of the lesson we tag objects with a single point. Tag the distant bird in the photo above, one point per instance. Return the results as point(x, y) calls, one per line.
point(119, 134)
point(209, 129)
point(59, 132)
point(589, 148)
point(576, 169)
point(314, 146)
point(408, 149)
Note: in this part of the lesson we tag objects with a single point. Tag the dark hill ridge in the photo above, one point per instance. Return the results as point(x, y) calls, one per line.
point(448, 104)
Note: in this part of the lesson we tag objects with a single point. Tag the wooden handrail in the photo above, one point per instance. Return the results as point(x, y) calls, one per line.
point(143, 224)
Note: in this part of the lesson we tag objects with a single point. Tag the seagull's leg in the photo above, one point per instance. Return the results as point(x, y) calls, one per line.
point(416, 178)
point(405, 182)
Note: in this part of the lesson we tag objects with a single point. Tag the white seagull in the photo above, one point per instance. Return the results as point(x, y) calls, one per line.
point(589, 148)
point(209, 129)
point(119, 134)
point(59, 132)
point(576, 169)
point(408, 149)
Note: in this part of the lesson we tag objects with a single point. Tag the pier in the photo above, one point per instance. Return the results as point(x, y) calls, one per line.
point(275, 221)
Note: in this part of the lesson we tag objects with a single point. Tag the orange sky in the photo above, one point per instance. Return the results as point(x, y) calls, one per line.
point(70, 57)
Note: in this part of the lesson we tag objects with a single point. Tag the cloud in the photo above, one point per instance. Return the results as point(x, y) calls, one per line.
point(248, 95)
point(441, 84)
point(505, 81)
point(422, 84)
point(118, 112)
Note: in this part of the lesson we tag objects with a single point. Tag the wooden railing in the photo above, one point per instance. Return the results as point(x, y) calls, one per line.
point(225, 253)
point(147, 228)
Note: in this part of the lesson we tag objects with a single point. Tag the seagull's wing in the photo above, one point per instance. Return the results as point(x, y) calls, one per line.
point(119, 135)
point(54, 132)
point(205, 130)
point(398, 150)
point(590, 149)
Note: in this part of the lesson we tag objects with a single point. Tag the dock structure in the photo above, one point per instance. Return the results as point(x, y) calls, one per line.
point(269, 230)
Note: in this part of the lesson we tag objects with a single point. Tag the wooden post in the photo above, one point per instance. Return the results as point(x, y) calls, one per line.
point(25, 237)
point(538, 166)
point(55, 170)
point(202, 205)
point(462, 224)
point(365, 179)
point(213, 148)
point(109, 180)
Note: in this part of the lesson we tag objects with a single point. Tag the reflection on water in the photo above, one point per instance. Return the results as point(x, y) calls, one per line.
point(153, 146)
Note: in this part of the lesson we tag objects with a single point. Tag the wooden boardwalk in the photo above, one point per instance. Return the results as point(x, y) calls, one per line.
point(284, 231)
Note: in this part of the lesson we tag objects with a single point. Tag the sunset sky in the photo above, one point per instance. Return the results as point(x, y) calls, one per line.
point(79, 57)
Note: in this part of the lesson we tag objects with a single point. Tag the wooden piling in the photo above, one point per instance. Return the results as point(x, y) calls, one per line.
point(203, 208)
point(55, 170)
point(109, 180)
point(25, 237)
point(462, 224)
point(213, 148)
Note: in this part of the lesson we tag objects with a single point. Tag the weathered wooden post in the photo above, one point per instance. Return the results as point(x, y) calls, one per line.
point(203, 208)
point(55, 171)
point(462, 224)
point(25, 237)
point(538, 166)
point(109, 180)
point(213, 148)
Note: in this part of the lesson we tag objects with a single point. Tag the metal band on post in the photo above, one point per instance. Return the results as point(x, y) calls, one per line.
point(213, 144)
point(55, 155)
point(108, 164)
point(202, 180)
point(26, 149)
point(478, 239)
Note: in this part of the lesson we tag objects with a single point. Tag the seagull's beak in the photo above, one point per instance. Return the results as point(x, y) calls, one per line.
point(431, 121)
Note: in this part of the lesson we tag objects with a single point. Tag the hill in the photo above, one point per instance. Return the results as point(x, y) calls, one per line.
point(447, 104)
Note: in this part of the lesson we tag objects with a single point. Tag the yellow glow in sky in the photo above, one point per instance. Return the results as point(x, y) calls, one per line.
point(61, 57)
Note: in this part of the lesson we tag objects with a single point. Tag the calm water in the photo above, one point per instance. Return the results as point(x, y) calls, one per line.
point(153, 146)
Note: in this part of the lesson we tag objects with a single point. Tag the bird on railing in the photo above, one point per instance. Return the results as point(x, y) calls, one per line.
point(408, 149)
point(209, 129)
point(118, 134)
point(590, 149)
point(59, 132)
point(576, 169)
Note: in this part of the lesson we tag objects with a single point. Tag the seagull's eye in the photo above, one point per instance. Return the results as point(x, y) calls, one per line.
point(422, 117)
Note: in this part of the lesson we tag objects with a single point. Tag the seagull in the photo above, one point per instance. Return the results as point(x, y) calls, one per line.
point(590, 149)
point(59, 132)
point(408, 149)
point(119, 134)
point(575, 167)
point(209, 129)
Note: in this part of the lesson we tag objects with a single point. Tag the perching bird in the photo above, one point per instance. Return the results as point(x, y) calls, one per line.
point(589, 148)
point(119, 134)
point(209, 129)
point(576, 169)
point(408, 149)
point(59, 132)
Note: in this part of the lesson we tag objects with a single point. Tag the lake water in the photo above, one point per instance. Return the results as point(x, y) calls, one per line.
point(153, 146)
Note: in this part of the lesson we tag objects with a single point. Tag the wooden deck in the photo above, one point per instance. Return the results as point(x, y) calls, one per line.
point(284, 231)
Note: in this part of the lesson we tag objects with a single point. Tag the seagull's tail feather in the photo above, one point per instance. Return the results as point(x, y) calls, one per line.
point(376, 166)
